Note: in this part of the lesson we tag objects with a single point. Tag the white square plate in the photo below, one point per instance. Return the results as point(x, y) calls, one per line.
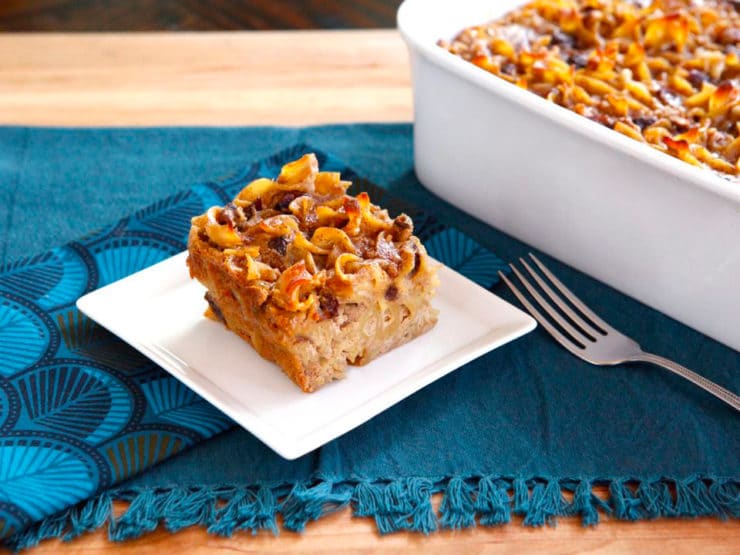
point(159, 311)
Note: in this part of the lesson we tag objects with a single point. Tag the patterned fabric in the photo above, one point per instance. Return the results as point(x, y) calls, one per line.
point(79, 409)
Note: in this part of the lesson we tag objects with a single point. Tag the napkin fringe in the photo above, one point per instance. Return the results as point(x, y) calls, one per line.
point(250, 509)
point(492, 504)
point(402, 504)
point(305, 504)
point(187, 507)
point(395, 505)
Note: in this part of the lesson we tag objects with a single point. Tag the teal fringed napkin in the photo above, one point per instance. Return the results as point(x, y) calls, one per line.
point(510, 432)
point(83, 410)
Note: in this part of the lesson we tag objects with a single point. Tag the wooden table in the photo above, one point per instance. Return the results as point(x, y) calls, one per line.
point(241, 78)
point(285, 78)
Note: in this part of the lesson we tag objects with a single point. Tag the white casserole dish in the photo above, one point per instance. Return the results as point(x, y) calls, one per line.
point(652, 226)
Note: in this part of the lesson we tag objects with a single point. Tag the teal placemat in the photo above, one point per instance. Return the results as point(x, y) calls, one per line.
point(510, 432)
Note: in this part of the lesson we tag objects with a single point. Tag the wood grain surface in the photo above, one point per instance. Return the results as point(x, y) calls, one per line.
point(239, 78)
point(341, 533)
point(194, 15)
point(287, 78)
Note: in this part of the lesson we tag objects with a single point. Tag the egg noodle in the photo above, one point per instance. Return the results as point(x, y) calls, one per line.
point(663, 72)
point(300, 233)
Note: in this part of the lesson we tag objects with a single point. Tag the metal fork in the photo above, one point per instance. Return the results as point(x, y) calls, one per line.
point(588, 337)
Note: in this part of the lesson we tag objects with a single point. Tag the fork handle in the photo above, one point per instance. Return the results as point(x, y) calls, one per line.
point(718, 391)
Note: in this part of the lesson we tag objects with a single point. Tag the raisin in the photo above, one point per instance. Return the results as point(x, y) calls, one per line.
point(603, 119)
point(228, 214)
point(669, 98)
point(249, 212)
point(680, 124)
point(278, 244)
point(391, 294)
point(285, 201)
point(508, 69)
point(214, 307)
point(578, 60)
point(329, 305)
point(560, 38)
point(644, 122)
point(696, 78)
point(417, 264)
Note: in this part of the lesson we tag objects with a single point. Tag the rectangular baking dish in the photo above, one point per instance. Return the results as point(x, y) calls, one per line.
point(654, 227)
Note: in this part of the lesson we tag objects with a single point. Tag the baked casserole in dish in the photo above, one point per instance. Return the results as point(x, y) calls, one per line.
point(601, 132)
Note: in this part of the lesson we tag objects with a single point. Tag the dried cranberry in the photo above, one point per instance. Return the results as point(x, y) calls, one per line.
point(391, 294)
point(731, 35)
point(726, 84)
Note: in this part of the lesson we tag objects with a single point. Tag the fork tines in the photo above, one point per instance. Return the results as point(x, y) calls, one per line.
point(587, 336)
point(576, 320)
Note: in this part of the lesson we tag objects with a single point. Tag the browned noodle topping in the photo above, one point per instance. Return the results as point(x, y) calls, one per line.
point(663, 72)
